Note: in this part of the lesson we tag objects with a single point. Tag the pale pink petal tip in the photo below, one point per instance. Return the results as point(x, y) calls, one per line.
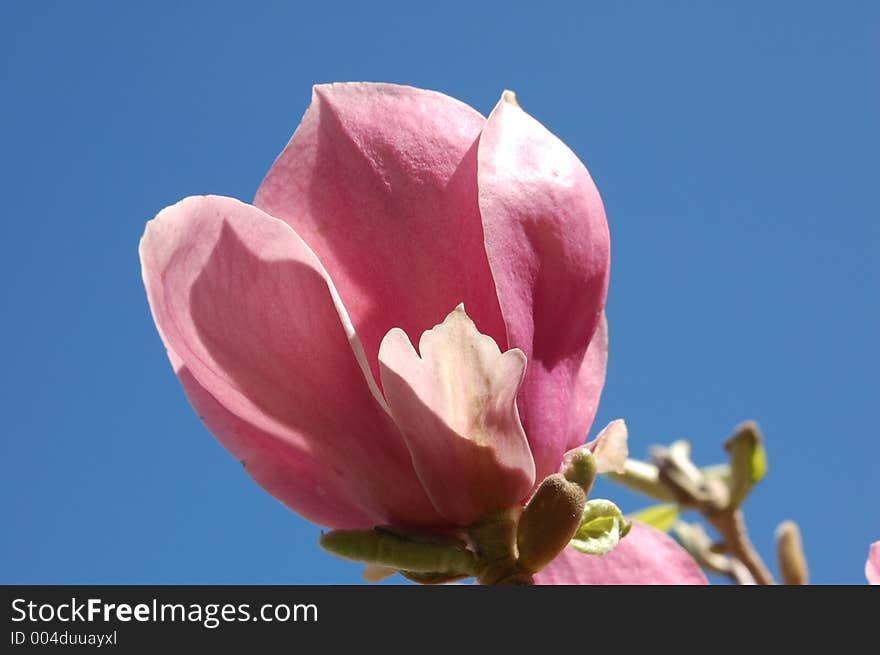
point(609, 448)
point(872, 566)
point(455, 402)
point(645, 556)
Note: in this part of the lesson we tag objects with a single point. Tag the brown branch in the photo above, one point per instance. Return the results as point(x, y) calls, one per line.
point(732, 528)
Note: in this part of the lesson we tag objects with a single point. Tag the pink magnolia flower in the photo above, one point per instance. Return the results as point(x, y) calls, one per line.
point(394, 216)
point(872, 566)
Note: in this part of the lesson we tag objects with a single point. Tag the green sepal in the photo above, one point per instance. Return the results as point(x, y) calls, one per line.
point(748, 462)
point(403, 553)
point(662, 517)
point(601, 529)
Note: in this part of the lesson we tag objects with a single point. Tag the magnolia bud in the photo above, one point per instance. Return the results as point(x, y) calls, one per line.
point(790, 553)
point(580, 468)
point(549, 521)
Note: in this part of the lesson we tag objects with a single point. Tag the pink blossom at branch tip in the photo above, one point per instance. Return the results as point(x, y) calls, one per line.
point(291, 322)
point(645, 556)
point(872, 566)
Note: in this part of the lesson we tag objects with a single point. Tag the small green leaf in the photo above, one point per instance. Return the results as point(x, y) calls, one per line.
point(748, 462)
point(602, 527)
point(662, 517)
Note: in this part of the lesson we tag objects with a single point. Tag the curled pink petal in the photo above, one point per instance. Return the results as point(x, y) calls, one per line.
point(455, 401)
point(644, 557)
point(381, 181)
point(267, 355)
point(872, 566)
point(548, 247)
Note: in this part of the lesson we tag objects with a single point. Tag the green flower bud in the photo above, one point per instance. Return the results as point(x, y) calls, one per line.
point(580, 468)
point(790, 554)
point(748, 461)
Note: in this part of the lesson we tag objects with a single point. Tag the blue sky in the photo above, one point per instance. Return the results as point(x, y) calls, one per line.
point(736, 149)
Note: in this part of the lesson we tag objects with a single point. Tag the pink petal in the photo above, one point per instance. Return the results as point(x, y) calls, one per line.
point(267, 356)
point(456, 406)
point(589, 381)
point(872, 566)
point(380, 181)
point(645, 556)
point(311, 490)
point(548, 248)
point(609, 448)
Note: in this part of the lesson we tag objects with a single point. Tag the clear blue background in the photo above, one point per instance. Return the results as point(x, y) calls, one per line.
point(736, 149)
